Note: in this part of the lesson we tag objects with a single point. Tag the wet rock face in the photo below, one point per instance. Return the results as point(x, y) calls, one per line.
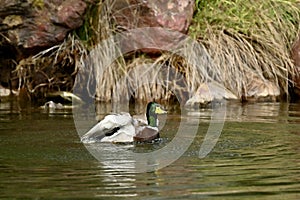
point(296, 59)
point(173, 15)
point(34, 25)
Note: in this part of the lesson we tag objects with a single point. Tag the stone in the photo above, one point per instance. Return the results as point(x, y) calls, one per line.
point(12, 20)
point(174, 15)
point(30, 26)
point(262, 90)
point(36, 25)
point(70, 13)
point(4, 91)
point(209, 92)
point(151, 40)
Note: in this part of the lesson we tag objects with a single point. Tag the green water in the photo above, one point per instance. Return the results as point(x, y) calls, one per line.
point(257, 156)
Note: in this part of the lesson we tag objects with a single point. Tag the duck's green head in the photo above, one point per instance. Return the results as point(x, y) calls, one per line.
point(153, 109)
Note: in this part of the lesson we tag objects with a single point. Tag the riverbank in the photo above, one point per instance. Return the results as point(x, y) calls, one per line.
point(245, 48)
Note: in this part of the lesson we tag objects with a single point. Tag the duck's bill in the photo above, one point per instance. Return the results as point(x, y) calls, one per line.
point(159, 110)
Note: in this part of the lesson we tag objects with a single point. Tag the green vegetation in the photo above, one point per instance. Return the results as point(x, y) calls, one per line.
point(37, 3)
point(97, 25)
point(248, 39)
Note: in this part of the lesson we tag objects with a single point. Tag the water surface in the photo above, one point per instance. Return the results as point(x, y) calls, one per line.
point(257, 156)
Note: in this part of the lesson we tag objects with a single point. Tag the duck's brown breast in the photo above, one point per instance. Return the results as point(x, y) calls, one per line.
point(147, 134)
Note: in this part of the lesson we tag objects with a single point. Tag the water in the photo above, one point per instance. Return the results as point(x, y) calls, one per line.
point(257, 156)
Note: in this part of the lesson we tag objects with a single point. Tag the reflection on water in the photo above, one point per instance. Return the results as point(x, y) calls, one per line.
point(257, 156)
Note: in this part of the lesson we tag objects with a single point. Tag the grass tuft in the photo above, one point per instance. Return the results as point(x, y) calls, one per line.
point(248, 40)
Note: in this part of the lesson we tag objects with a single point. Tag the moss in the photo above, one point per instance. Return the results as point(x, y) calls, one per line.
point(12, 20)
point(37, 3)
point(96, 25)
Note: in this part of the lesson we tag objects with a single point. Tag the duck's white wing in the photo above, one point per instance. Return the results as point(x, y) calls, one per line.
point(115, 120)
point(109, 127)
point(123, 134)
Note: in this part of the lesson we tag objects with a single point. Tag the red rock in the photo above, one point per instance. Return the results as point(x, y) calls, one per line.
point(27, 27)
point(44, 25)
point(174, 15)
point(70, 13)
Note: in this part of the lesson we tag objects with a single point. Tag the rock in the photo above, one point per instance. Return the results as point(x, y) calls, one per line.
point(70, 13)
point(151, 40)
point(174, 15)
point(64, 96)
point(30, 26)
point(257, 90)
point(4, 92)
point(296, 58)
point(209, 92)
point(52, 106)
point(12, 20)
point(262, 90)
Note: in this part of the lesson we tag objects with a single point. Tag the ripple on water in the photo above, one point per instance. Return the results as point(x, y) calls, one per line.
point(257, 156)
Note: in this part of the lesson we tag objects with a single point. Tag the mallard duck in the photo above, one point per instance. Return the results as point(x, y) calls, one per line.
point(122, 128)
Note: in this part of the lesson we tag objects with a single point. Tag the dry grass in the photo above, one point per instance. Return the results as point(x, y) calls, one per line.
point(176, 74)
point(51, 70)
point(240, 42)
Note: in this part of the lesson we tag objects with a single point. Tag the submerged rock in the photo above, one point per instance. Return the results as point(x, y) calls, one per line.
point(4, 92)
point(209, 92)
point(261, 90)
point(256, 90)
point(52, 106)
